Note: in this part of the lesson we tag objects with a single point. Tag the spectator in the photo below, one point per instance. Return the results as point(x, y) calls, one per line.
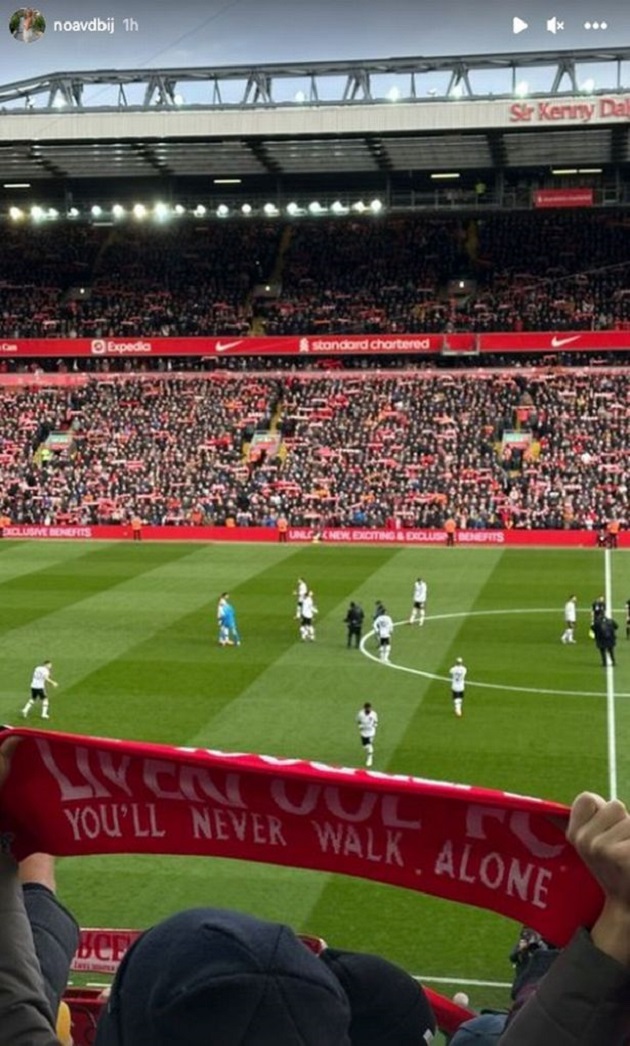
point(256, 983)
point(38, 939)
point(583, 999)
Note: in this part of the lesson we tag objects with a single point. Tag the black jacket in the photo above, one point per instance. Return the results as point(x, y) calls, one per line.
point(605, 630)
point(354, 617)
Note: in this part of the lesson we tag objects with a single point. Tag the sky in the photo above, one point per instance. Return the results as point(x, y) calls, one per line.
point(252, 32)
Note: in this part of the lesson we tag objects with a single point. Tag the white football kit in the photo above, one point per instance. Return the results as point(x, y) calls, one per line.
point(570, 619)
point(368, 722)
point(41, 675)
point(458, 678)
point(419, 601)
point(301, 592)
point(384, 626)
point(458, 682)
point(420, 592)
point(308, 611)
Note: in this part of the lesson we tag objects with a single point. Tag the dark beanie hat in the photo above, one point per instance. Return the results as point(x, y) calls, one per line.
point(209, 977)
point(389, 1007)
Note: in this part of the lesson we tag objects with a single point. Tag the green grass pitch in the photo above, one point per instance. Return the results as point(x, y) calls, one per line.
point(131, 631)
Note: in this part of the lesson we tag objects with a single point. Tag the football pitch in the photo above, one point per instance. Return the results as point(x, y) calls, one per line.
point(131, 631)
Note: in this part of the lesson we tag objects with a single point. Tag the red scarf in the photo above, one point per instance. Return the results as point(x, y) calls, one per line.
point(69, 795)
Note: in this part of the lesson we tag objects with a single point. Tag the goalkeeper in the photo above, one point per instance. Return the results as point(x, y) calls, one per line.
point(228, 630)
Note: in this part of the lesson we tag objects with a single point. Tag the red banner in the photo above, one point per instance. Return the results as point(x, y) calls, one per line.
point(562, 197)
point(326, 535)
point(554, 342)
point(100, 951)
point(73, 796)
point(317, 346)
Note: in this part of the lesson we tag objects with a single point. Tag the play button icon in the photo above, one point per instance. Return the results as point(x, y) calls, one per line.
point(518, 25)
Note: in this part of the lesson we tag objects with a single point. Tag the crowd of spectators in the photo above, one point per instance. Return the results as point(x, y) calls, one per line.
point(538, 449)
point(390, 274)
point(33, 367)
point(507, 272)
point(86, 281)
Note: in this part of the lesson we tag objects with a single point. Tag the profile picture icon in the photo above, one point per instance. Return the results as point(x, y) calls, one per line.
point(27, 25)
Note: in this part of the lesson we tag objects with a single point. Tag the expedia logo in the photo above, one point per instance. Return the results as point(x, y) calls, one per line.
point(109, 347)
point(8, 346)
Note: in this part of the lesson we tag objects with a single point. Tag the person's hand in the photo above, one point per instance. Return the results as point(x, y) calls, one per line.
point(600, 832)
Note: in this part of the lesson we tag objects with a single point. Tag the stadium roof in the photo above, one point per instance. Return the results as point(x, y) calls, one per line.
point(548, 110)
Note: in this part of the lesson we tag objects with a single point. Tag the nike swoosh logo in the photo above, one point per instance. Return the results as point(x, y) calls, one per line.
point(223, 346)
point(557, 343)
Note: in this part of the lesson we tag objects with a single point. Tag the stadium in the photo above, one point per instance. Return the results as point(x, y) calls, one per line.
point(346, 324)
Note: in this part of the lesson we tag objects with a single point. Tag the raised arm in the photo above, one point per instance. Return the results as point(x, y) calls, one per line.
point(584, 999)
point(26, 1018)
